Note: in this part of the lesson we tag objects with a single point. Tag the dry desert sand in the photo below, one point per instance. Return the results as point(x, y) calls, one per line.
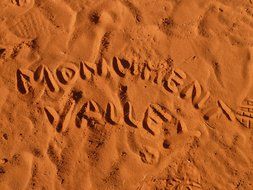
point(126, 94)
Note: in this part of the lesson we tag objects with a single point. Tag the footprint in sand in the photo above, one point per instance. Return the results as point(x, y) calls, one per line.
point(244, 113)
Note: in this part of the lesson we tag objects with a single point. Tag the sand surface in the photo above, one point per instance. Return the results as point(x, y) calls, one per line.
point(126, 94)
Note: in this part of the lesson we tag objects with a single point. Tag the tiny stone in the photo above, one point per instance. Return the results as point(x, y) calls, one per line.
point(166, 144)
point(5, 136)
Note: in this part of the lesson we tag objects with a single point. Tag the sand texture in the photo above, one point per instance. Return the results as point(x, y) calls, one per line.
point(126, 94)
